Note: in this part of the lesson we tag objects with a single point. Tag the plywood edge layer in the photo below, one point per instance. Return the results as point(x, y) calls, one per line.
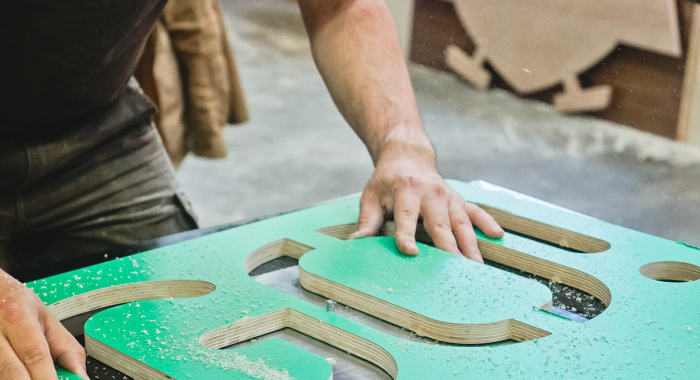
point(341, 231)
point(274, 250)
point(421, 325)
point(250, 328)
point(122, 362)
point(689, 114)
point(344, 231)
point(542, 231)
point(120, 294)
point(671, 271)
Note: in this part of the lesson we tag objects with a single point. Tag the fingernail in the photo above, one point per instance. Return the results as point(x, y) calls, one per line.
point(84, 375)
point(411, 246)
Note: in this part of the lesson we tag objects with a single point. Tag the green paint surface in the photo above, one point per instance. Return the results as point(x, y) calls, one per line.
point(436, 284)
point(649, 331)
point(66, 375)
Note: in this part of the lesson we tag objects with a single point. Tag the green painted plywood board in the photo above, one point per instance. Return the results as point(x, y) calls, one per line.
point(66, 375)
point(649, 331)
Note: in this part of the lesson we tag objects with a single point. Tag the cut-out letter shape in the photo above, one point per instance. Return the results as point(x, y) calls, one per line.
point(435, 294)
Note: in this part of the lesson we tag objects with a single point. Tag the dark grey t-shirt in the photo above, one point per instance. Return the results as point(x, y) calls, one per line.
point(61, 60)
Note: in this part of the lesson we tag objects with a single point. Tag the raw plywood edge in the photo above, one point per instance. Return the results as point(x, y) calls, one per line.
point(121, 361)
point(341, 231)
point(344, 231)
point(555, 235)
point(120, 294)
point(689, 118)
point(274, 250)
point(671, 271)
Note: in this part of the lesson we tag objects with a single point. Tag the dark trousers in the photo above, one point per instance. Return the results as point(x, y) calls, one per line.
point(105, 181)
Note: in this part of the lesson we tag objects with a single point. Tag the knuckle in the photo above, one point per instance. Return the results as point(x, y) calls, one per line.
point(76, 352)
point(461, 221)
point(13, 311)
point(410, 182)
point(364, 219)
point(414, 182)
point(80, 352)
point(11, 370)
point(440, 190)
point(34, 355)
point(368, 195)
point(405, 215)
point(441, 226)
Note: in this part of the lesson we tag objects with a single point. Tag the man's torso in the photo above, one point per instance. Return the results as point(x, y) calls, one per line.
point(63, 59)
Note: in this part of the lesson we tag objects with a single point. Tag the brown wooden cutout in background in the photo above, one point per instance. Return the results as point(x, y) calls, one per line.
point(538, 44)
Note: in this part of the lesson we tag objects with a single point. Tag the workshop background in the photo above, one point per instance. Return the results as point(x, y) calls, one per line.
point(297, 150)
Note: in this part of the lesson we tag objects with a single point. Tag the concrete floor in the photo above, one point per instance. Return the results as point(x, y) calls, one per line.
point(297, 149)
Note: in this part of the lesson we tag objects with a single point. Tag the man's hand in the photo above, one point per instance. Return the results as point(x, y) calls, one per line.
point(31, 338)
point(406, 184)
point(356, 49)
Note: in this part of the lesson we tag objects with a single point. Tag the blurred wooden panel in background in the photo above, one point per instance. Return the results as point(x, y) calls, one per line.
point(647, 87)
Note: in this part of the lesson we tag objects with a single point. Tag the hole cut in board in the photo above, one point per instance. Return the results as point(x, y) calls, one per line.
point(572, 290)
point(251, 328)
point(671, 271)
point(285, 277)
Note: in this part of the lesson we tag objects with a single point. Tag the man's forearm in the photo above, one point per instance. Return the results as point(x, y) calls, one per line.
point(356, 49)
